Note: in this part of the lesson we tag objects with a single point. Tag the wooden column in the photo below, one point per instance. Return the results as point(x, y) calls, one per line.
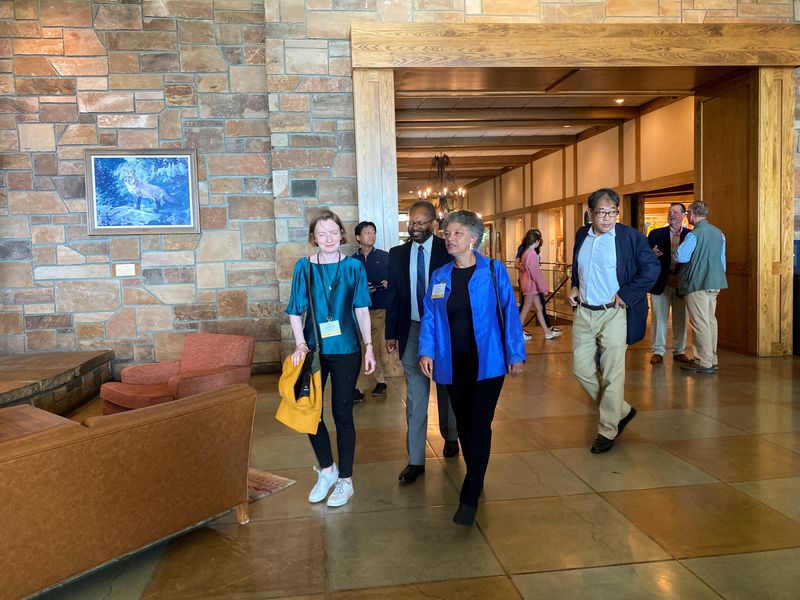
point(376, 158)
point(774, 207)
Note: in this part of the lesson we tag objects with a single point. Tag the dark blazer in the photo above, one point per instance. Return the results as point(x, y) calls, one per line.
point(398, 299)
point(637, 271)
point(660, 237)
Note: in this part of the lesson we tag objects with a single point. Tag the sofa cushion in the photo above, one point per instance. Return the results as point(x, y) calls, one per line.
point(205, 351)
point(131, 395)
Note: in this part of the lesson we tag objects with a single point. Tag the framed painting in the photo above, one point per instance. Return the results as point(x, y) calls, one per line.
point(141, 192)
point(486, 243)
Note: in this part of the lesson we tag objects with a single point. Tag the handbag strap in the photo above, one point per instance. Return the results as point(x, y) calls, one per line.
point(500, 315)
point(318, 338)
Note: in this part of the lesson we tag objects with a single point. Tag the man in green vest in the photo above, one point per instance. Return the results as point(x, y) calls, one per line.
point(702, 276)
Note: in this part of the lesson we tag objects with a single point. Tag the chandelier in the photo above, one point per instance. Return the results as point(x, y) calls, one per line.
point(442, 190)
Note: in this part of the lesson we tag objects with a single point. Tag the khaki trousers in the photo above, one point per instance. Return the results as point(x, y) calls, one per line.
point(603, 331)
point(702, 306)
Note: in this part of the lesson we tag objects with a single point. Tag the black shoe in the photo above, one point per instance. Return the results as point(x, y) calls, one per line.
point(450, 448)
point(379, 389)
point(602, 444)
point(621, 425)
point(694, 367)
point(465, 515)
point(358, 396)
point(410, 473)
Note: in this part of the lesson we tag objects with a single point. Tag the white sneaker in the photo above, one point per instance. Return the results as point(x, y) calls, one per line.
point(527, 336)
point(341, 493)
point(553, 334)
point(324, 484)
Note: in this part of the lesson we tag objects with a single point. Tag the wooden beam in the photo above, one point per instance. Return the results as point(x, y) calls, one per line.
point(413, 126)
point(466, 115)
point(486, 143)
point(397, 45)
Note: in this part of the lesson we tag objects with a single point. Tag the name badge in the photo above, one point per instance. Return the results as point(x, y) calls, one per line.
point(438, 291)
point(329, 329)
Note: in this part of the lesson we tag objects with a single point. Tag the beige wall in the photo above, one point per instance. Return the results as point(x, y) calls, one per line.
point(481, 198)
point(548, 178)
point(667, 140)
point(512, 192)
point(598, 161)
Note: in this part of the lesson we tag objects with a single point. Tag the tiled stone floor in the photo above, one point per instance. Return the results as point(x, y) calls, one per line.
point(700, 499)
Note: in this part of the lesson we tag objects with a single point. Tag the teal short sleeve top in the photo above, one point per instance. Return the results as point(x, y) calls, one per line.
point(345, 292)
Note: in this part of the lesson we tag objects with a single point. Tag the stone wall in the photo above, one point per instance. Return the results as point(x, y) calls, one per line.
point(76, 74)
point(263, 91)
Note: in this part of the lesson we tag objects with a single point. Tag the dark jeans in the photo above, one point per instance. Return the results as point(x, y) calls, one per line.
point(343, 369)
point(473, 403)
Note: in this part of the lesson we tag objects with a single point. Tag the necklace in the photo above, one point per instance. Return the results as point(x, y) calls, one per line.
point(327, 289)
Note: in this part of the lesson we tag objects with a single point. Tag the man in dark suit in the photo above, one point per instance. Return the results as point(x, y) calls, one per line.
point(410, 268)
point(665, 241)
point(613, 268)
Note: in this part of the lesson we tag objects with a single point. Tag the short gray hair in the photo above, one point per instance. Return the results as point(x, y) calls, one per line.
point(699, 208)
point(468, 219)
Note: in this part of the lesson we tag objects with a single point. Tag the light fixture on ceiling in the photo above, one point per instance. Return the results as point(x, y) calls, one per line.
point(441, 189)
point(566, 126)
point(619, 100)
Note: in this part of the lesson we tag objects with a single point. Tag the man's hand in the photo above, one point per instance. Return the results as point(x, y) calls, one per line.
point(657, 252)
point(426, 366)
point(619, 302)
point(573, 296)
point(391, 346)
point(385, 284)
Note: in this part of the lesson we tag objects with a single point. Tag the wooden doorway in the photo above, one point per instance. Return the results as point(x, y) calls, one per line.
point(378, 50)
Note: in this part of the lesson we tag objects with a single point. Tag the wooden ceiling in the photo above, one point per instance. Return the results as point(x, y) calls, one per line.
point(491, 120)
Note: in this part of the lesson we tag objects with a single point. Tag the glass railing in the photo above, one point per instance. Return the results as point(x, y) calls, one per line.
point(558, 280)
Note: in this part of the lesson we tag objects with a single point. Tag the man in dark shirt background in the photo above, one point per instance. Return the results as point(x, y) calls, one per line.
point(376, 263)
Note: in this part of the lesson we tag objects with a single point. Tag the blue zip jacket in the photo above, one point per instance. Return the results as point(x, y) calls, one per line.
point(434, 336)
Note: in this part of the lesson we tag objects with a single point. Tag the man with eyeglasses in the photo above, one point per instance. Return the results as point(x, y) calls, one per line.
point(410, 268)
point(613, 268)
point(702, 276)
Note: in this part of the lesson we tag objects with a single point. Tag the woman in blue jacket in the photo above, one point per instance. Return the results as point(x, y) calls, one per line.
point(470, 322)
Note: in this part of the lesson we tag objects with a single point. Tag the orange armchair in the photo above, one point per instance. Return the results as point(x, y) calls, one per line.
point(209, 361)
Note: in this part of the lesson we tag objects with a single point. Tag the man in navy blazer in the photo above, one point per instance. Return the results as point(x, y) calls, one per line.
point(664, 295)
point(613, 268)
point(408, 280)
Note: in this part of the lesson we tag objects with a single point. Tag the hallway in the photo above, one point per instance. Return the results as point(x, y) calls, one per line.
point(700, 499)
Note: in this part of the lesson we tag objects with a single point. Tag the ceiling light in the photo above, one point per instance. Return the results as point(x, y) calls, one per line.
point(619, 100)
point(566, 126)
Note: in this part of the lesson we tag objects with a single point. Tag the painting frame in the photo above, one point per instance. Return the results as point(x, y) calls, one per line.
point(142, 192)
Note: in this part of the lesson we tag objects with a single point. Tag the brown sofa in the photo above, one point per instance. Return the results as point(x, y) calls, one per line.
point(75, 496)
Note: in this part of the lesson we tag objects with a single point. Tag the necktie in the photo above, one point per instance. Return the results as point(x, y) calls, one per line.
point(420, 278)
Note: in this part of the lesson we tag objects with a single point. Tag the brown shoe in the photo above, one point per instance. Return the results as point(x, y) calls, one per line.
point(681, 358)
point(656, 359)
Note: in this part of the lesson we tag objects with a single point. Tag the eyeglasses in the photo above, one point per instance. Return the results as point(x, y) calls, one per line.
point(420, 223)
point(606, 214)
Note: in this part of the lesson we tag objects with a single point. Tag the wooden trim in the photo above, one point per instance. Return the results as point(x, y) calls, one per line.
point(376, 159)
point(774, 210)
point(397, 45)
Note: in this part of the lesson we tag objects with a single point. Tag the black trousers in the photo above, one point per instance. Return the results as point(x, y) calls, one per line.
point(343, 369)
point(473, 404)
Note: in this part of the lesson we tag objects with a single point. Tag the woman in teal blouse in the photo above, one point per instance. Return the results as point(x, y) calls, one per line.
point(341, 303)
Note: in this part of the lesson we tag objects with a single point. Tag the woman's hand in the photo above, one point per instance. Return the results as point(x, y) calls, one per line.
point(516, 369)
point(299, 353)
point(426, 366)
point(369, 360)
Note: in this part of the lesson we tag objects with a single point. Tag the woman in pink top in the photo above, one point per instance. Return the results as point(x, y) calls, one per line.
point(533, 283)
